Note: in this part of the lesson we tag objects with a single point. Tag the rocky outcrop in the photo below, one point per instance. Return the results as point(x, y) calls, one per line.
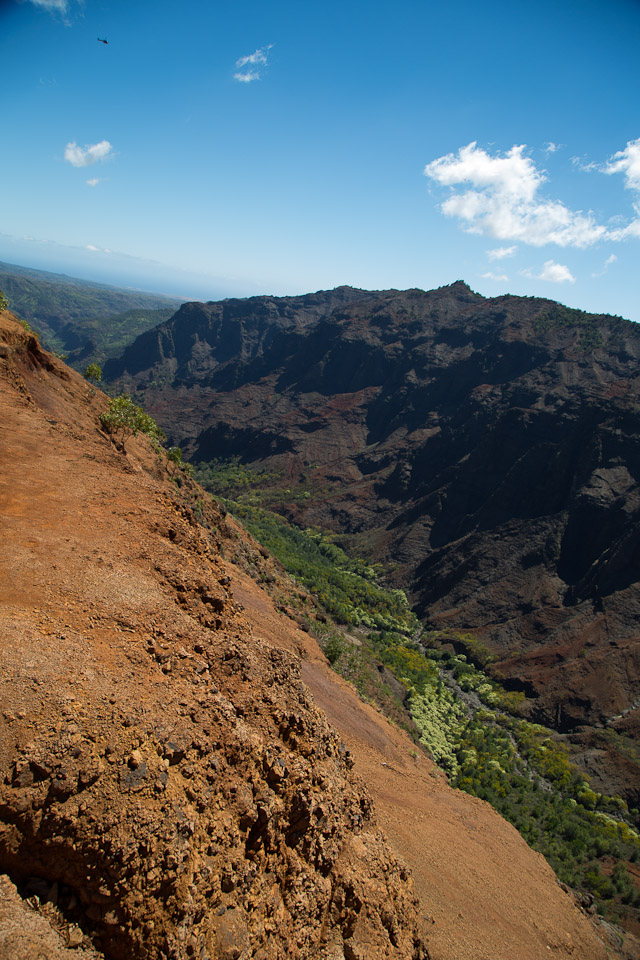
point(229, 829)
point(31, 929)
point(487, 448)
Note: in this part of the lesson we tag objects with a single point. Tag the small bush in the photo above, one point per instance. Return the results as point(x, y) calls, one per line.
point(124, 418)
point(334, 649)
point(93, 373)
point(29, 329)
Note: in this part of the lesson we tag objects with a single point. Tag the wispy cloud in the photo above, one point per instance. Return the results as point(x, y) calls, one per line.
point(64, 10)
point(552, 147)
point(85, 156)
point(611, 259)
point(258, 58)
point(503, 199)
point(54, 6)
point(247, 77)
point(94, 181)
point(552, 272)
point(495, 276)
point(499, 253)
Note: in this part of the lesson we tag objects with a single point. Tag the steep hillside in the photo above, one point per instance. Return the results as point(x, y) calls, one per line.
point(488, 449)
point(168, 785)
point(88, 321)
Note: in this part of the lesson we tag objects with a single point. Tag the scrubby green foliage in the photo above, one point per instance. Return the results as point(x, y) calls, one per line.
point(473, 648)
point(4, 301)
point(587, 325)
point(174, 456)
point(231, 478)
point(124, 418)
point(29, 328)
point(93, 373)
point(523, 771)
point(249, 485)
point(527, 777)
point(441, 719)
point(346, 588)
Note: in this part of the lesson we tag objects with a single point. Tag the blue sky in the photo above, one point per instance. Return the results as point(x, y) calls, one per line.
point(226, 149)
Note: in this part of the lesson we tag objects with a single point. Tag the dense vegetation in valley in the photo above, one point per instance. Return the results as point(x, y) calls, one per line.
point(87, 321)
point(101, 338)
point(472, 727)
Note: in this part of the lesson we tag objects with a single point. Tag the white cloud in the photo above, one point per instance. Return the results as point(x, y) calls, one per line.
point(626, 161)
point(57, 6)
point(556, 273)
point(91, 247)
point(552, 147)
point(499, 253)
point(552, 272)
point(502, 201)
point(94, 181)
point(85, 156)
point(259, 57)
point(247, 77)
point(495, 276)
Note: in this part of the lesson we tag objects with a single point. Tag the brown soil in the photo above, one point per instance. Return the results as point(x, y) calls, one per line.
point(163, 768)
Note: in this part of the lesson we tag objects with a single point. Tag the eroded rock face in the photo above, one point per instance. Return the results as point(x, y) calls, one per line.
point(27, 933)
point(488, 448)
point(231, 828)
point(161, 769)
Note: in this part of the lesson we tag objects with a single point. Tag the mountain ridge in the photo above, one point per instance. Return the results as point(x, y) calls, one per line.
point(87, 320)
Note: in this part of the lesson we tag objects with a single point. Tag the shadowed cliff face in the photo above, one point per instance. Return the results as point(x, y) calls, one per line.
point(489, 448)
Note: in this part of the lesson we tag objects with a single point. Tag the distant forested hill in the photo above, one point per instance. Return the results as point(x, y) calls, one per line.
point(87, 321)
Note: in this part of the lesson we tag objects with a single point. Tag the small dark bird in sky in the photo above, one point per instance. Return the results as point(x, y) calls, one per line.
point(100, 40)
